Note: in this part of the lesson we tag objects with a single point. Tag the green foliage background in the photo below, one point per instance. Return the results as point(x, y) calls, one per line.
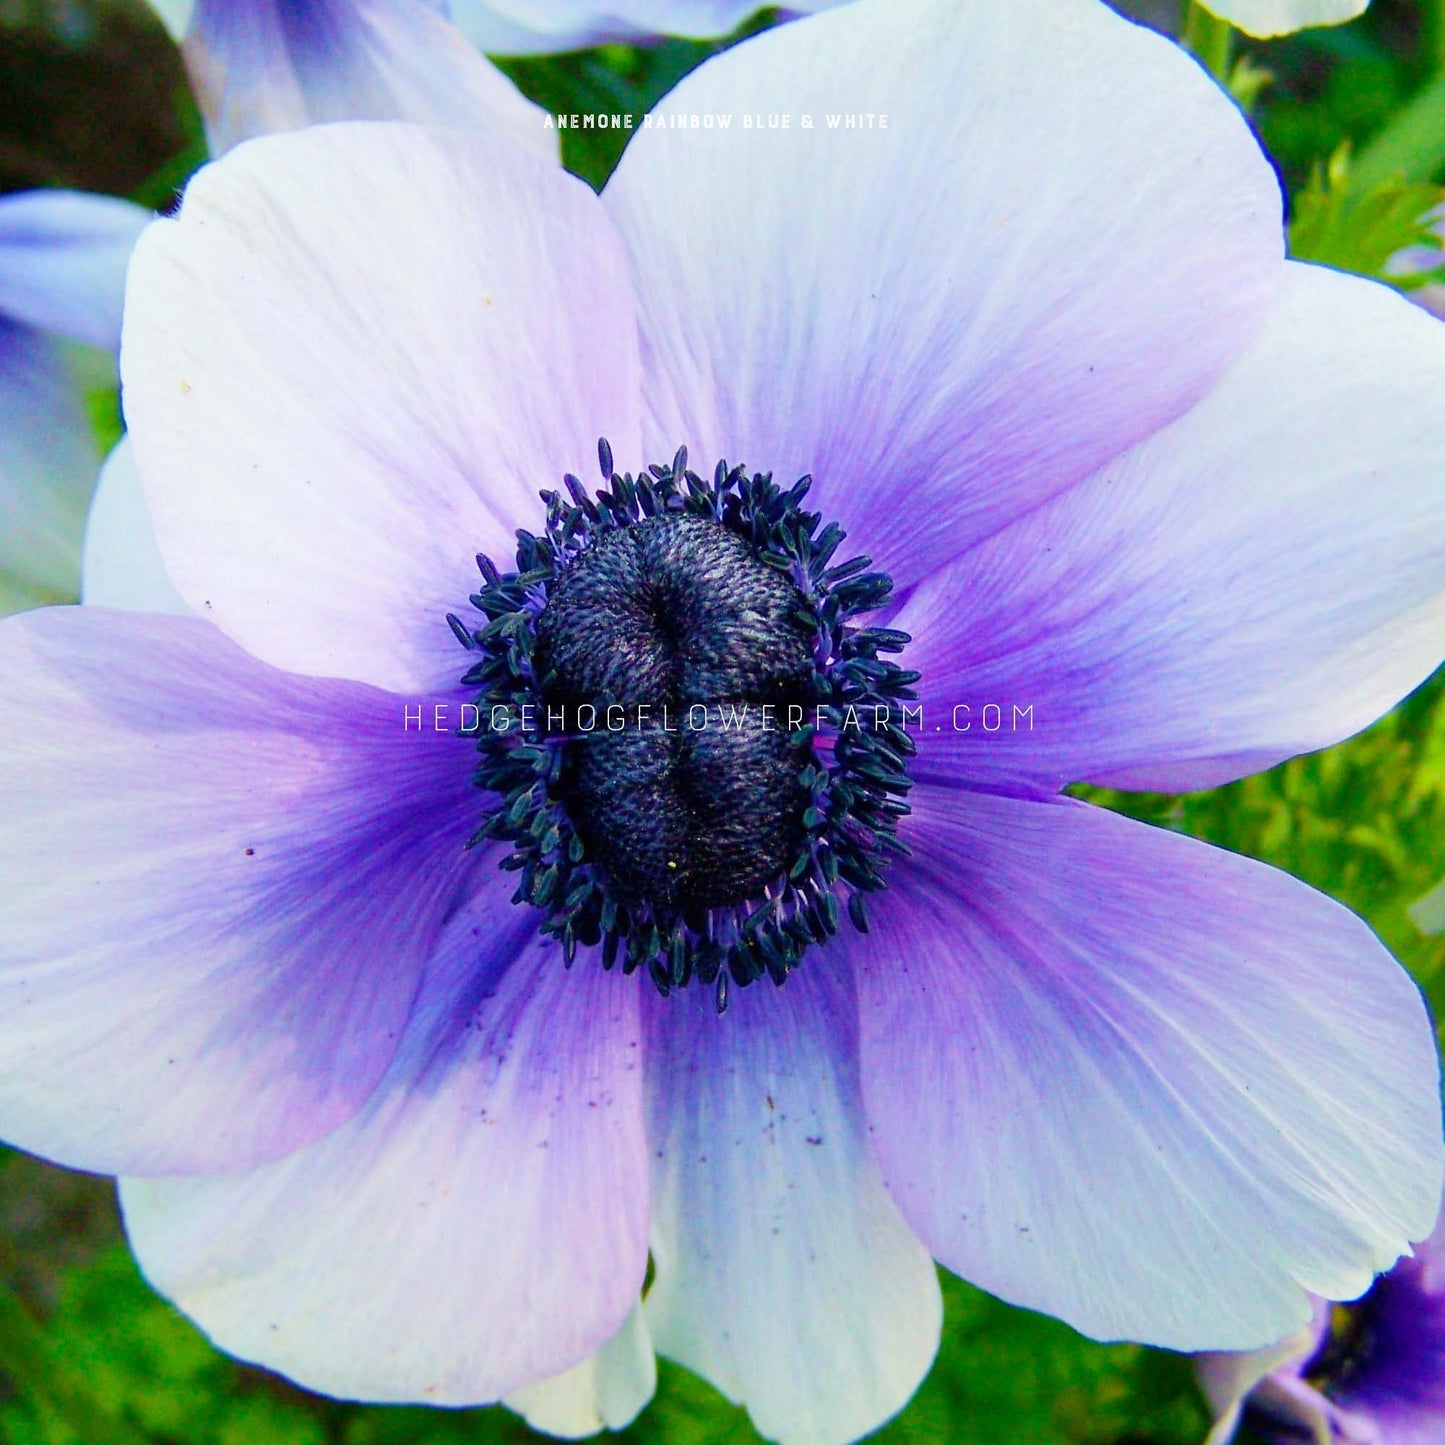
point(92, 94)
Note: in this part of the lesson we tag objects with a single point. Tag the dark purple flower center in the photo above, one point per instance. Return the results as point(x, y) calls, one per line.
point(695, 800)
point(691, 748)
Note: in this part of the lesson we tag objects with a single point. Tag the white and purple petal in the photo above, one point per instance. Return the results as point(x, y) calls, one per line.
point(784, 1272)
point(1047, 254)
point(478, 1228)
point(1262, 578)
point(1153, 1088)
point(221, 884)
point(336, 400)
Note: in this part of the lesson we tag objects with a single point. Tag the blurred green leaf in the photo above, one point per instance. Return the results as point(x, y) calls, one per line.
point(1338, 223)
point(62, 1407)
point(1335, 84)
point(1248, 81)
point(1004, 1375)
point(1411, 145)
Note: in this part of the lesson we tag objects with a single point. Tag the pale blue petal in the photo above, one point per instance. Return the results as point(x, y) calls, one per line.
point(784, 1273)
point(63, 259)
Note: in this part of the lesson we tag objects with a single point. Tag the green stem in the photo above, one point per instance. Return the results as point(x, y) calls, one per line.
point(26, 1359)
point(1208, 38)
point(1411, 147)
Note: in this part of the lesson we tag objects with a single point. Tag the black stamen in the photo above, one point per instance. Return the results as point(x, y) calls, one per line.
point(459, 631)
point(700, 852)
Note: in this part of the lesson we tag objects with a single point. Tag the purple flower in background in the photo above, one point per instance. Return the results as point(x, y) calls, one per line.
point(1419, 266)
point(1123, 473)
point(260, 66)
point(63, 256)
point(1367, 1373)
point(499, 27)
point(266, 65)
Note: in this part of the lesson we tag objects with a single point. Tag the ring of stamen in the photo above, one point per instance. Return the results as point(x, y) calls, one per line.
point(701, 852)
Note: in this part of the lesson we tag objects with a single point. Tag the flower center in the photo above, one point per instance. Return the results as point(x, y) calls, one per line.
point(683, 652)
point(1347, 1345)
point(693, 751)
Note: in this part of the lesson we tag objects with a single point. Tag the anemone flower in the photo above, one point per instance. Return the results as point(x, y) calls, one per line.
point(63, 256)
point(1266, 19)
point(499, 27)
point(1370, 1373)
point(287, 932)
point(266, 65)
